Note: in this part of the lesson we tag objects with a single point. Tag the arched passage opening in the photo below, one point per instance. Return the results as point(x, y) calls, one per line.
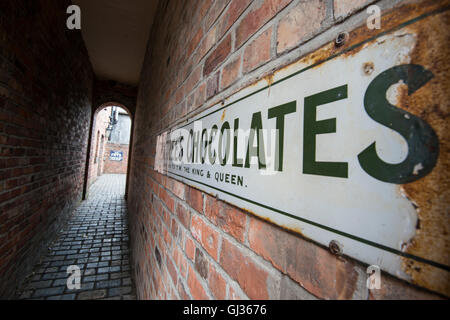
point(109, 146)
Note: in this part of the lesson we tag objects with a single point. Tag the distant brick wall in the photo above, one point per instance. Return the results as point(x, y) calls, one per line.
point(45, 108)
point(96, 163)
point(186, 244)
point(116, 167)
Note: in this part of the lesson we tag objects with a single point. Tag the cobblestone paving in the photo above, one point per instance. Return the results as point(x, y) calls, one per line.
point(96, 240)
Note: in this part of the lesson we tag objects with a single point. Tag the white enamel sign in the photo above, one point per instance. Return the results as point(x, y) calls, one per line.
point(322, 150)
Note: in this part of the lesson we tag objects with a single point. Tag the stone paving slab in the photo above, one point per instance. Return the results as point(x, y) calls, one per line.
point(96, 240)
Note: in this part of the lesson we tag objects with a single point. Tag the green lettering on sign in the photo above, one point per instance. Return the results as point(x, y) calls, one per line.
point(258, 151)
point(423, 144)
point(312, 127)
point(212, 153)
point(236, 161)
point(279, 113)
point(223, 157)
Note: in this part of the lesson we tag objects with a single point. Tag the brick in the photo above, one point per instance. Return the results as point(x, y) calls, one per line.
point(214, 12)
point(167, 199)
point(192, 81)
point(230, 72)
point(190, 248)
point(252, 278)
point(233, 295)
point(200, 95)
point(39, 284)
point(300, 24)
point(182, 292)
point(207, 43)
point(195, 287)
point(228, 218)
point(179, 94)
point(46, 292)
point(261, 12)
point(180, 262)
point(233, 12)
point(343, 8)
point(201, 263)
point(195, 199)
point(167, 238)
point(204, 7)
point(208, 238)
point(258, 51)
point(172, 271)
point(175, 230)
point(194, 42)
point(92, 295)
point(184, 215)
point(316, 269)
point(217, 56)
point(119, 291)
point(212, 85)
point(217, 284)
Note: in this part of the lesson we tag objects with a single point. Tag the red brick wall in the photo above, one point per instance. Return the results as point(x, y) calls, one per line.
point(116, 167)
point(186, 244)
point(45, 109)
point(96, 166)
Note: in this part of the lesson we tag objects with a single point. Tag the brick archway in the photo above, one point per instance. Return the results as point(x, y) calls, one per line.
point(91, 147)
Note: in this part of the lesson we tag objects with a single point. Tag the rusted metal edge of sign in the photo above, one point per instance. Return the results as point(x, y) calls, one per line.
point(418, 266)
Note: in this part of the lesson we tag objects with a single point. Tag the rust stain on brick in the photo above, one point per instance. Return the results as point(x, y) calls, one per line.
point(297, 231)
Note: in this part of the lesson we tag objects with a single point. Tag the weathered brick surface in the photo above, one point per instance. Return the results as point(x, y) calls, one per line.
point(217, 284)
point(230, 72)
point(320, 272)
point(217, 56)
point(46, 86)
point(98, 144)
point(261, 12)
point(228, 218)
point(195, 286)
point(252, 278)
point(115, 167)
point(303, 22)
point(258, 51)
point(187, 244)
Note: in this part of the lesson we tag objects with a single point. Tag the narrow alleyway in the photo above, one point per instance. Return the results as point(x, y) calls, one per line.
point(96, 240)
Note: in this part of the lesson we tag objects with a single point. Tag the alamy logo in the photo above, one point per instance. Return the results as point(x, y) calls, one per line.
point(374, 280)
point(74, 20)
point(374, 20)
point(74, 280)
